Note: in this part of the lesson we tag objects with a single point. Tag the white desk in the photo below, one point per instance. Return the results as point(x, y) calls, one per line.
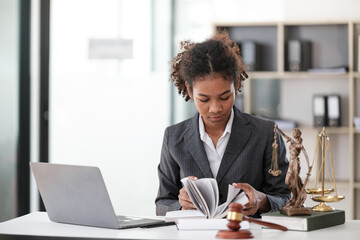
point(38, 224)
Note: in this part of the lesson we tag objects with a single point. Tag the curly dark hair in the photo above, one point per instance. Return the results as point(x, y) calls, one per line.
point(215, 55)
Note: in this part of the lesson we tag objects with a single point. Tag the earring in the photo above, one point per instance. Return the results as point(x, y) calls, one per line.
point(244, 76)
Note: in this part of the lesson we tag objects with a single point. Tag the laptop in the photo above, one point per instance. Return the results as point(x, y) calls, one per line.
point(78, 195)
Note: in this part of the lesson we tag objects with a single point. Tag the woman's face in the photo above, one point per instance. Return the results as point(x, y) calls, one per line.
point(214, 98)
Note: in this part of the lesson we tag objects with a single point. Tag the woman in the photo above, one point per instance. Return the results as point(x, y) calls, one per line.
point(219, 141)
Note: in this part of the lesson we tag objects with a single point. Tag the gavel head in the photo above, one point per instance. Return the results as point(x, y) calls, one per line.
point(235, 216)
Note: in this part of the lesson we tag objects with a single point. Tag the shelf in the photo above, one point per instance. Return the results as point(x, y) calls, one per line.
point(306, 75)
point(244, 24)
point(263, 75)
point(273, 89)
point(312, 23)
point(295, 75)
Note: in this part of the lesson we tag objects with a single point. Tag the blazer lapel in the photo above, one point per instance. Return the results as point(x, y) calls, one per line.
point(240, 134)
point(196, 147)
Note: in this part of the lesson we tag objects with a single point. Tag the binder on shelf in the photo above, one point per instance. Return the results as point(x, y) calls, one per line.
point(333, 106)
point(358, 56)
point(298, 55)
point(249, 52)
point(357, 123)
point(320, 110)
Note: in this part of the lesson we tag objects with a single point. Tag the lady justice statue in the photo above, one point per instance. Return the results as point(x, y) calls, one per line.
point(295, 206)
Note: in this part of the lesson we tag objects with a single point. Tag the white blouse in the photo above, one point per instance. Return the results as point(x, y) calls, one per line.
point(213, 154)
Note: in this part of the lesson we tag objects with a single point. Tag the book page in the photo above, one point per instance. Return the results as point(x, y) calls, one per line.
point(222, 209)
point(200, 198)
point(241, 198)
point(216, 196)
point(210, 195)
point(189, 190)
point(195, 195)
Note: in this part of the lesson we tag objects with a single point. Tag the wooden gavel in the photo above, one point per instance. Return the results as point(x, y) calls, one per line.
point(235, 217)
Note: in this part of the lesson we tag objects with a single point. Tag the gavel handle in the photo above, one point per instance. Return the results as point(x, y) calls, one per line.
point(266, 224)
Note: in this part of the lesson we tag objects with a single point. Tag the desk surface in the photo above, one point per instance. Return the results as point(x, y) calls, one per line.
point(38, 224)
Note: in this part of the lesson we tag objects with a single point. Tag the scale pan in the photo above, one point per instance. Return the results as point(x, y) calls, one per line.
point(319, 190)
point(327, 198)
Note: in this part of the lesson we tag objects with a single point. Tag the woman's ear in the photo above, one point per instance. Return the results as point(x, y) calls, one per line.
point(188, 88)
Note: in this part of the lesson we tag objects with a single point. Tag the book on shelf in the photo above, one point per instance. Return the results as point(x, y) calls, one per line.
point(207, 224)
point(334, 70)
point(204, 193)
point(317, 220)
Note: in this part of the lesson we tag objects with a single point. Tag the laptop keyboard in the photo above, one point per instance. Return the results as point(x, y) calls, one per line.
point(125, 221)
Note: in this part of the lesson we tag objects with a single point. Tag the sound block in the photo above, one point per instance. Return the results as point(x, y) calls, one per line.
point(292, 211)
point(229, 234)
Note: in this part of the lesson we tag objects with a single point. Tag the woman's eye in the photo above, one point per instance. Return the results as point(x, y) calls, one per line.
point(225, 98)
point(204, 100)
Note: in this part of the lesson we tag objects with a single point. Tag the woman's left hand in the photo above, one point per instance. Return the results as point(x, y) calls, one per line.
point(258, 201)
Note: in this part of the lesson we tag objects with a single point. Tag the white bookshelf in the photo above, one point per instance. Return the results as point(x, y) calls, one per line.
point(335, 43)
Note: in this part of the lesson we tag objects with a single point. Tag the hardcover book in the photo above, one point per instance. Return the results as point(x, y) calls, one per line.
point(316, 220)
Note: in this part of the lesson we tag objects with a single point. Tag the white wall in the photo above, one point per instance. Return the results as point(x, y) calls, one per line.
point(9, 84)
point(321, 9)
point(106, 112)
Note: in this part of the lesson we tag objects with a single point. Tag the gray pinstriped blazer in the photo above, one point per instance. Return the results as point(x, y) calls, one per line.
point(247, 159)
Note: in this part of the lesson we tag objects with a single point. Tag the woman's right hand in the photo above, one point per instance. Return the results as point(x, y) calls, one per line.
point(184, 199)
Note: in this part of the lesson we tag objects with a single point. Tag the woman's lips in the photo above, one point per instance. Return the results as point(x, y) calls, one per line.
point(216, 118)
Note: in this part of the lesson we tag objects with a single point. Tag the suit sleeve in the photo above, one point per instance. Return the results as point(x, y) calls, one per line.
point(274, 187)
point(169, 181)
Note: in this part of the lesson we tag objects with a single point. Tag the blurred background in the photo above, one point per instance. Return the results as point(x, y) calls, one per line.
point(86, 82)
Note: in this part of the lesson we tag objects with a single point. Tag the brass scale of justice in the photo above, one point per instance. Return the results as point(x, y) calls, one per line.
point(322, 192)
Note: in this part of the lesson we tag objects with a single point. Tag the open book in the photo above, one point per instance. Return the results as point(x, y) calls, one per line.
point(204, 193)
